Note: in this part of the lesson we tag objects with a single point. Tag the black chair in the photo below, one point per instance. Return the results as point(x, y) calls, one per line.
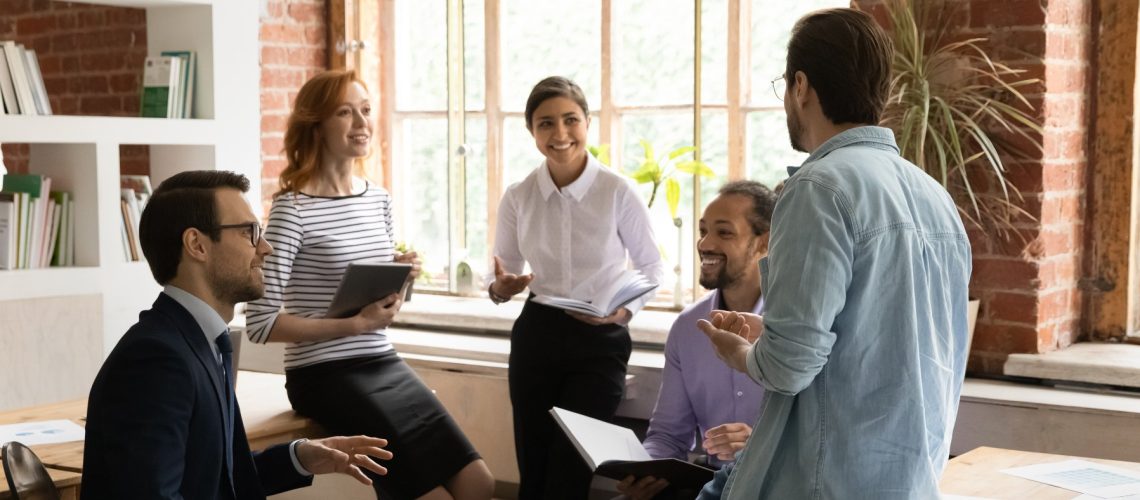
point(27, 477)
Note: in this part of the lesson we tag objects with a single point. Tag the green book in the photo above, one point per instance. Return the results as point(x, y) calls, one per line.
point(158, 76)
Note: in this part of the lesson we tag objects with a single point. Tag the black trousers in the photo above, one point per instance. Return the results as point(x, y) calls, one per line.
point(557, 360)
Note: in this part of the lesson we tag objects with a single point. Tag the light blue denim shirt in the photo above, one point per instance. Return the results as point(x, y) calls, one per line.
point(864, 344)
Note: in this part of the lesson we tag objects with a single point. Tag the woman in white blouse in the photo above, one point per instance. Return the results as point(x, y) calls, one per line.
point(577, 224)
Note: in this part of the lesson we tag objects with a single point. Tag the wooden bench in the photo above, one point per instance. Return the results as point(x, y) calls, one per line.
point(268, 418)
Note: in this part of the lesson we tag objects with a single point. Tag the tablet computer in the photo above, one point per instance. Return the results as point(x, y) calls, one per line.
point(364, 283)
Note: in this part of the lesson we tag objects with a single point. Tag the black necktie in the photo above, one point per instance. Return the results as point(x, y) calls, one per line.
point(227, 350)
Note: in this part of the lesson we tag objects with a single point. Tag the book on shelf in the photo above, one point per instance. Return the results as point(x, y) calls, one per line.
point(160, 80)
point(128, 233)
point(7, 88)
point(131, 219)
point(22, 87)
point(36, 223)
point(36, 82)
point(9, 226)
point(140, 184)
point(187, 68)
point(626, 288)
point(615, 452)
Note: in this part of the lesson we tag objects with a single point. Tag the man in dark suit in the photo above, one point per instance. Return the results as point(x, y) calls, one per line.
point(161, 418)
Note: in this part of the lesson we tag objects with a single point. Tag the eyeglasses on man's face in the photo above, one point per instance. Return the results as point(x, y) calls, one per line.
point(252, 228)
point(779, 86)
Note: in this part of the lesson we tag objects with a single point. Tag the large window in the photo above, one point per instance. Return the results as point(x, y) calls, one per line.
point(635, 60)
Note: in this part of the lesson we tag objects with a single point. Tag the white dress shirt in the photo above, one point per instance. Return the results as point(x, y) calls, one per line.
point(577, 239)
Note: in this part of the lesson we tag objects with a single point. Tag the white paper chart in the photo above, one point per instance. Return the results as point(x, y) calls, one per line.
point(43, 432)
point(1083, 476)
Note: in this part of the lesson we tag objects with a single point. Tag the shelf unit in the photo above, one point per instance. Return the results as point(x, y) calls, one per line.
point(81, 155)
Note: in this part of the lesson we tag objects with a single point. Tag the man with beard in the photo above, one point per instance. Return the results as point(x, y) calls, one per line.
point(704, 404)
point(862, 346)
point(162, 421)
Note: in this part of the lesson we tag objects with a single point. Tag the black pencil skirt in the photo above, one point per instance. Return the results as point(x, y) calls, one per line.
point(557, 360)
point(381, 396)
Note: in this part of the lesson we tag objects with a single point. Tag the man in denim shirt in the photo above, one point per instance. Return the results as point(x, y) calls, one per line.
point(863, 342)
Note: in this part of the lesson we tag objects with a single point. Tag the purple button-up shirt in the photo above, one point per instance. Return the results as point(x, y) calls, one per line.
point(698, 391)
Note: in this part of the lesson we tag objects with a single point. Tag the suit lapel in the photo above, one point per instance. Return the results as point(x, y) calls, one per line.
point(192, 335)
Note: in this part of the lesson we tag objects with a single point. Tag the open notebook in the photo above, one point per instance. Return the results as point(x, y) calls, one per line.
point(613, 451)
point(628, 287)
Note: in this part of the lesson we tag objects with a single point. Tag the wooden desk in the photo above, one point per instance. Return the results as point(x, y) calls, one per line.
point(64, 456)
point(978, 473)
point(66, 482)
point(266, 413)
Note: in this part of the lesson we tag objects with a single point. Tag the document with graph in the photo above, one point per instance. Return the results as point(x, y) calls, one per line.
point(1083, 476)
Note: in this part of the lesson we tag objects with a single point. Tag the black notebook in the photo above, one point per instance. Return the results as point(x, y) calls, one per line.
point(615, 452)
point(364, 283)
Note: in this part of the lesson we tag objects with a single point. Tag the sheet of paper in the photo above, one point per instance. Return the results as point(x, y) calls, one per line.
point(1084, 477)
point(42, 432)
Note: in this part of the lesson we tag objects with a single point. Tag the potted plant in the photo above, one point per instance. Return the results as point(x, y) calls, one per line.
point(661, 173)
point(957, 114)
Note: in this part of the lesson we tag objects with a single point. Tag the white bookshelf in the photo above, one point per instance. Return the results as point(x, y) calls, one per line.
point(81, 155)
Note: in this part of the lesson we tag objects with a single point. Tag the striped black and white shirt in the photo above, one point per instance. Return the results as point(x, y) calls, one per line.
point(314, 239)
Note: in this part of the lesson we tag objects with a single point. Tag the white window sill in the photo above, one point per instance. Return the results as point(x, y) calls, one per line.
point(1090, 362)
point(472, 314)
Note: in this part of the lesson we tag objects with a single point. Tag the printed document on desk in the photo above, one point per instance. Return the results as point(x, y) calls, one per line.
point(627, 288)
point(42, 432)
point(615, 452)
point(1083, 476)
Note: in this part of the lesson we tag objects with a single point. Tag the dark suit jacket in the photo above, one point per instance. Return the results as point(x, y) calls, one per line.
point(155, 421)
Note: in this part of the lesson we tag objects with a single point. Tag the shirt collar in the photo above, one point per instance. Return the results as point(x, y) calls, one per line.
point(717, 302)
point(881, 137)
point(578, 188)
point(206, 317)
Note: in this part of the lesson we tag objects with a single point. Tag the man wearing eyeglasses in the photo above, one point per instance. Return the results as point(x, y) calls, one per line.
point(862, 347)
point(162, 421)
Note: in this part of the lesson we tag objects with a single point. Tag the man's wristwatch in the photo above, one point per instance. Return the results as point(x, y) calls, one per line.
point(494, 297)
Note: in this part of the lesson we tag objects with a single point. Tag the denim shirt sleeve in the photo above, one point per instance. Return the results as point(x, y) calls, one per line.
point(807, 274)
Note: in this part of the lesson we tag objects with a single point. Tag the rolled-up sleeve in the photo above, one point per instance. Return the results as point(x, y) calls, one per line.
point(807, 274)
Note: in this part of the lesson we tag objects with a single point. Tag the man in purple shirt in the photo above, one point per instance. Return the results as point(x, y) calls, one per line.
point(703, 404)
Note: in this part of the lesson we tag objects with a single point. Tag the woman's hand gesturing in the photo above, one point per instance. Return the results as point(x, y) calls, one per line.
point(506, 285)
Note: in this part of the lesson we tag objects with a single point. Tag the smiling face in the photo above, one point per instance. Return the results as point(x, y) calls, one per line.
point(729, 249)
point(559, 127)
point(348, 132)
point(234, 268)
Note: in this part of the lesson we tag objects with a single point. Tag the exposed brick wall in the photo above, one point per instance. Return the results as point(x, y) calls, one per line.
point(91, 58)
point(293, 49)
point(1029, 292)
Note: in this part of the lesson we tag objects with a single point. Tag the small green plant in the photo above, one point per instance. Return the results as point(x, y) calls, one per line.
point(661, 171)
point(405, 247)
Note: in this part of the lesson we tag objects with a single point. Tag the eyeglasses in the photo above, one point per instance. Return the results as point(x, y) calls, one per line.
point(779, 86)
point(253, 228)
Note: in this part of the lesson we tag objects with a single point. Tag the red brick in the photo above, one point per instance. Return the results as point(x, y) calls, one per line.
point(1061, 209)
point(1006, 13)
point(1066, 77)
point(94, 18)
point(1061, 272)
point(125, 83)
point(1012, 307)
point(276, 32)
point(273, 101)
point(275, 122)
point(1067, 45)
point(306, 57)
point(1065, 111)
point(1006, 274)
point(1005, 338)
point(272, 144)
point(271, 56)
point(1066, 144)
point(35, 25)
point(1069, 13)
point(307, 13)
